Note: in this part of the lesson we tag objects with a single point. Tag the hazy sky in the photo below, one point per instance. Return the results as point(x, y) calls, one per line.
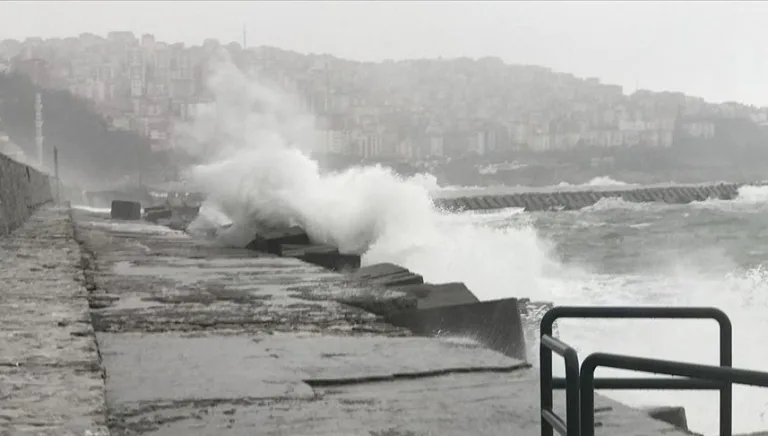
point(716, 50)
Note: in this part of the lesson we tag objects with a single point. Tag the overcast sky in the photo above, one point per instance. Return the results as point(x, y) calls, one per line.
point(716, 50)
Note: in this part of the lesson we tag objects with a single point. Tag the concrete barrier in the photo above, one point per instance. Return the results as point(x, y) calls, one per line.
point(446, 294)
point(105, 198)
point(125, 210)
point(574, 200)
point(441, 309)
point(22, 190)
point(157, 213)
point(495, 324)
point(671, 415)
point(386, 275)
point(325, 256)
point(272, 241)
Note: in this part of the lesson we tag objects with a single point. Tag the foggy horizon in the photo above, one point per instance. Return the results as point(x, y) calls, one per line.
point(711, 50)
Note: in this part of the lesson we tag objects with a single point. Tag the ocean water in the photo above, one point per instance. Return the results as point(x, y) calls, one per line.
point(713, 253)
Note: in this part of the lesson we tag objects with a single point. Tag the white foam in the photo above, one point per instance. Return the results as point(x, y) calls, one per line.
point(259, 177)
point(749, 199)
point(742, 295)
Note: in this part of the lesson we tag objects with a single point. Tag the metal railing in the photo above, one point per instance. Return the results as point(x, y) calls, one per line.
point(718, 375)
point(548, 383)
point(549, 420)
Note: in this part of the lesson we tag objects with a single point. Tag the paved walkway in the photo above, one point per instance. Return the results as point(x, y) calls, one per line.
point(51, 381)
point(200, 340)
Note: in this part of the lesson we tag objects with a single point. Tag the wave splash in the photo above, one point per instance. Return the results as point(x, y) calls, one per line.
point(259, 176)
point(599, 181)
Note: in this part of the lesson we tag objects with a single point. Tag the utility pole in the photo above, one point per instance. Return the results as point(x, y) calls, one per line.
point(138, 163)
point(245, 37)
point(39, 128)
point(56, 171)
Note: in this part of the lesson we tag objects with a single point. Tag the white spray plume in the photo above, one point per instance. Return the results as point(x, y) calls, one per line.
point(259, 175)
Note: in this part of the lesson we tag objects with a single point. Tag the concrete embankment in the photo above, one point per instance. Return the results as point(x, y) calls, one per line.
point(198, 339)
point(51, 379)
point(578, 199)
point(22, 190)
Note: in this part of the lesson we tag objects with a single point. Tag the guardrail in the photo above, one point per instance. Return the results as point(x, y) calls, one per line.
point(549, 344)
point(726, 376)
point(549, 420)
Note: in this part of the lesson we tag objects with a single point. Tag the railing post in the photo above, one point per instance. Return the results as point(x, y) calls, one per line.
point(587, 402)
point(545, 373)
point(587, 397)
point(724, 375)
point(726, 360)
point(572, 396)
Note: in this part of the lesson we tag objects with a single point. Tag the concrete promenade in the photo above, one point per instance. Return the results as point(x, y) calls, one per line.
point(201, 340)
point(51, 380)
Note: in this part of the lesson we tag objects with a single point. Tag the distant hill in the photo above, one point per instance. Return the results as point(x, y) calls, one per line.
point(88, 151)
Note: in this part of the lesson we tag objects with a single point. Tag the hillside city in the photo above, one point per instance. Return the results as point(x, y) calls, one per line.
point(412, 109)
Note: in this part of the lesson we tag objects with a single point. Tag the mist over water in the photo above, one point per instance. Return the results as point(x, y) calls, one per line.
point(257, 174)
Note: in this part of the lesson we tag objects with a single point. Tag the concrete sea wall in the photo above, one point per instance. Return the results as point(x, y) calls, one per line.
point(577, 199)
point(430, 309)
point(22, 190)
point(404, 300)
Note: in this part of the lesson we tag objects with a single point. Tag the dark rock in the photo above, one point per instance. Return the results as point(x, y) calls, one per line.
point(495, 324)
point(125, 210)
point(272, 241)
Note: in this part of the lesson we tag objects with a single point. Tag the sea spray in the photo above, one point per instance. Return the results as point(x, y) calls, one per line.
point(259, 175)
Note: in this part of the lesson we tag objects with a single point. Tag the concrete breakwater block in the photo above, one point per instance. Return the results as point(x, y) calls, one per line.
point(325, 256)
point(574, 200)
point(495, 324)
point(156, 213)
point(272, 241)
point(125, 210)
point(673, 415)
point(386, 275)
point(445, 294)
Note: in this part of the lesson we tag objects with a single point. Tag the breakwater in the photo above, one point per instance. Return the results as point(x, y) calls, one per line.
point(22, 190)
point(578, 199)
point(429, 309)
point(383, 314)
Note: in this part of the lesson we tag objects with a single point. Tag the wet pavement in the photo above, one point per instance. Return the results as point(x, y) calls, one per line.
point(203, 340)
point(51, 380)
